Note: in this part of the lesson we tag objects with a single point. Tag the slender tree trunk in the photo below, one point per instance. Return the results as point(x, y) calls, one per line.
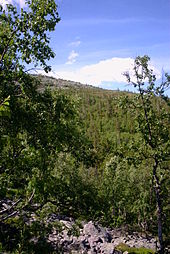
point(157, 185)
point(159, 207)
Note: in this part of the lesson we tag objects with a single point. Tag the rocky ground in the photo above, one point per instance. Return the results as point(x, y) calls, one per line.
point(70, 236)
point(89, 237)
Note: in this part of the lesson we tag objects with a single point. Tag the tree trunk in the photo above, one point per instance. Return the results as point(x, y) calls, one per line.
point(159, 208)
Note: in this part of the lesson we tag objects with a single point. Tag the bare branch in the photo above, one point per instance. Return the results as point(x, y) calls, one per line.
point(9, 216)
point(29, 200)
point(10, 208)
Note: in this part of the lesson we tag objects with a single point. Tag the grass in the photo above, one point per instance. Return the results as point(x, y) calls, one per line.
point(131, 250)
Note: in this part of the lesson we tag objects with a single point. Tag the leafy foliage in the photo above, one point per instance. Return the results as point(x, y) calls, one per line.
point(79, 151)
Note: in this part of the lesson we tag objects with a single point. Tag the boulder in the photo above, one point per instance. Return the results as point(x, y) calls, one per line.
point(93, 238)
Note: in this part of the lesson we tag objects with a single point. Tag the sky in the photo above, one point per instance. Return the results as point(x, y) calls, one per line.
point(96, 41)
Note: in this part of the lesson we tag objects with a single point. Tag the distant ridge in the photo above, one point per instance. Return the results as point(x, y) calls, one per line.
point(54, 83)
point(57, 83)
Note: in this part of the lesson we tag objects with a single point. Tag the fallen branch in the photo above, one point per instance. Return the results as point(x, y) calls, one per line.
point(10, 208)
point(29, 200)
point(8, 216)
point(13, 213)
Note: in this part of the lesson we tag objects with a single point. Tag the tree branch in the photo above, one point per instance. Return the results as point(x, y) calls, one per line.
point(10, 213)
point(9, 216)
point(10, 208)
point(6, 47)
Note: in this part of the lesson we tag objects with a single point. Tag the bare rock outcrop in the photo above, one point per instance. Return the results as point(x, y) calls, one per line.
point(91, 238)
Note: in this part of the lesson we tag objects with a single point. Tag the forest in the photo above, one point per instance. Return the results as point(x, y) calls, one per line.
point(76, 150)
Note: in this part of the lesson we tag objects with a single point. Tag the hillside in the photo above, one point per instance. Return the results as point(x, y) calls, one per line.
point(79, 152)
point(54, 83)
point(105, 124)
point(75, 153)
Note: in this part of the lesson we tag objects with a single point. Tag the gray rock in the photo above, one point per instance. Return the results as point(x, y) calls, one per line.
point(107, 248)
point(94, 238)
point(90, 229)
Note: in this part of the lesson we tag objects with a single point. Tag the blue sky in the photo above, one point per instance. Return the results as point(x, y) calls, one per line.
point(97, 40)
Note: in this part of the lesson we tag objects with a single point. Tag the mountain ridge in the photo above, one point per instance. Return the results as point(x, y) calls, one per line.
point(53, 83)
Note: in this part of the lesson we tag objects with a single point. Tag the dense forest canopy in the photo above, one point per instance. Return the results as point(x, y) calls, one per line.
point(76, 150)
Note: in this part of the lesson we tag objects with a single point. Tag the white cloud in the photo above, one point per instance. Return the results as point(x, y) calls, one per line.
point(110, 70)
point(99, 21)
point(72, 57)
point(105, 74)
point(4, 2)
point(21, 3)
point(75, 43)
